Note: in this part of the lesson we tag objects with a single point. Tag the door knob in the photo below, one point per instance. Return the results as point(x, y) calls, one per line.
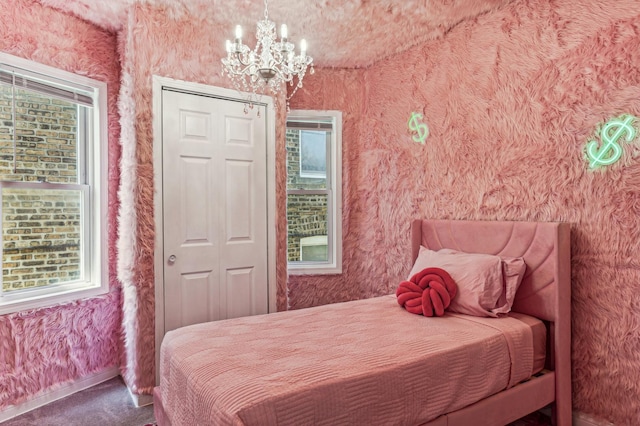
point(172, 259)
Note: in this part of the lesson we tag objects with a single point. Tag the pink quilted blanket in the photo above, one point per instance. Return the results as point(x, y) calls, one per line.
point(362, 362)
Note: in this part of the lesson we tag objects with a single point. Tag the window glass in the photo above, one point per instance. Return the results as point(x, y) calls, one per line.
point(45, 147)
point(306, 218)
point(307, 158)
point(41, 235)
point(313, 154)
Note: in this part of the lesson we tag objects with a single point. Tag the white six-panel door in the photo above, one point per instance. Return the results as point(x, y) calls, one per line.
point(214, 209)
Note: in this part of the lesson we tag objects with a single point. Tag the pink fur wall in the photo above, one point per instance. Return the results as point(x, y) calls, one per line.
point(169, 43)
point(43, 348)
point(510, 98)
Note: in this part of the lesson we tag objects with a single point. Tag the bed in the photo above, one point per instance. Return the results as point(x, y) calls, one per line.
point(372, 362)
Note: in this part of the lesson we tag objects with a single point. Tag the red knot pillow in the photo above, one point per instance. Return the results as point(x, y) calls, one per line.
point(429, 292)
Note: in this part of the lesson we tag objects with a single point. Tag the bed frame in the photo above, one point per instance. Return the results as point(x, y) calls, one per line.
point(546, 295)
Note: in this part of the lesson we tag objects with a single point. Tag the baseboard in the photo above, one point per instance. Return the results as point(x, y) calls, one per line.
point(582, 419)
point(63, 391)
point(140, 400)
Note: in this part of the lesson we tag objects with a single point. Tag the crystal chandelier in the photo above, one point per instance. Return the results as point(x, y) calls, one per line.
point(270, 65)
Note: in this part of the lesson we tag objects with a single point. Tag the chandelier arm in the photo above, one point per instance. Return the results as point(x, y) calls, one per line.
point(244, 71)
point(238, 56)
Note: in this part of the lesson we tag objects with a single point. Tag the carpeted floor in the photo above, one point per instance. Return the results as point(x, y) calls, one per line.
point(108, 403)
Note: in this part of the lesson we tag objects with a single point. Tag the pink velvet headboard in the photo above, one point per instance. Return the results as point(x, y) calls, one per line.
point(545, 288)
point(545, 291)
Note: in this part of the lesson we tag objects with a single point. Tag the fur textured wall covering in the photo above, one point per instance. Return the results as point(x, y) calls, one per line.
point(43, 348)
point(510, 99)
point(158, 41)
point(350, 25)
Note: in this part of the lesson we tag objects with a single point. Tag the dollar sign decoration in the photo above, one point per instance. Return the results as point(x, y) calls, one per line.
point(421, 128)
point(610, 151)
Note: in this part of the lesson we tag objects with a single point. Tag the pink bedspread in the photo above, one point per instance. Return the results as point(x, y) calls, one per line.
point(363, 362)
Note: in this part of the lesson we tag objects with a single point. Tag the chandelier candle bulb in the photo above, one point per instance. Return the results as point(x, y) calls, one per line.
point(238, 33)
point(303, 48)
point(283, 32)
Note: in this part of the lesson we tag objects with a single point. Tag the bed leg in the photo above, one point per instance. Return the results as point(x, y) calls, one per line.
point(554, 414)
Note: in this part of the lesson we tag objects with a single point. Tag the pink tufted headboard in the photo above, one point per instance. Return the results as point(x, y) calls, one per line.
point(545, 291)
point(544, 247)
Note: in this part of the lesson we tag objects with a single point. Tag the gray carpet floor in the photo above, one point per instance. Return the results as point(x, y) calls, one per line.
point(106, 404)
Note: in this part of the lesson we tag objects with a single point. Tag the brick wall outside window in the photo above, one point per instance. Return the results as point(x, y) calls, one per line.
point(41, 228)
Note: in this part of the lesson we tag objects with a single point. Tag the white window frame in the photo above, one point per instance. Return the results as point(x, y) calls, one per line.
point(334, 192)
point(93, 185)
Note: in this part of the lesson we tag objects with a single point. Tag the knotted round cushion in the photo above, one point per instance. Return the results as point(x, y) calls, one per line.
point(429, 292)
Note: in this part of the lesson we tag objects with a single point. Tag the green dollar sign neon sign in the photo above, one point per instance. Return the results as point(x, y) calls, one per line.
point(420, 128)
point(610, 151)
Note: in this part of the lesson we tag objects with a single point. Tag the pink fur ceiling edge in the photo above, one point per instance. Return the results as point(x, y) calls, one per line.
point(349, 33)
point(41, 349)
point(109, 15)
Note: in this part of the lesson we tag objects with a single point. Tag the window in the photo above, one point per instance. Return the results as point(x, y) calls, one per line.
point(314, 199)
point(52, 185)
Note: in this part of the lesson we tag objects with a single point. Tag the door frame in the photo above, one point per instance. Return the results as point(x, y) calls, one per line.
point(159, 83)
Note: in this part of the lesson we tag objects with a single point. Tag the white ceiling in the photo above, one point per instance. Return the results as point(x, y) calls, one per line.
point(340, 33)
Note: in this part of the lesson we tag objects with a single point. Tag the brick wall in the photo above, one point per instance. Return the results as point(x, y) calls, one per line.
point(306, 214)
point(40, 228)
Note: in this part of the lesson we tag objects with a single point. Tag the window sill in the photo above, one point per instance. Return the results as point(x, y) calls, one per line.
point(314, 270)
point(50, 299)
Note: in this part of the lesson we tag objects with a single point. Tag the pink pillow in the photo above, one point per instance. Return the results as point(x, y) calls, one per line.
point(487, 284)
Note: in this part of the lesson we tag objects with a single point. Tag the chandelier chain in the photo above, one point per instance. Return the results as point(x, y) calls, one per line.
point(266, 10)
